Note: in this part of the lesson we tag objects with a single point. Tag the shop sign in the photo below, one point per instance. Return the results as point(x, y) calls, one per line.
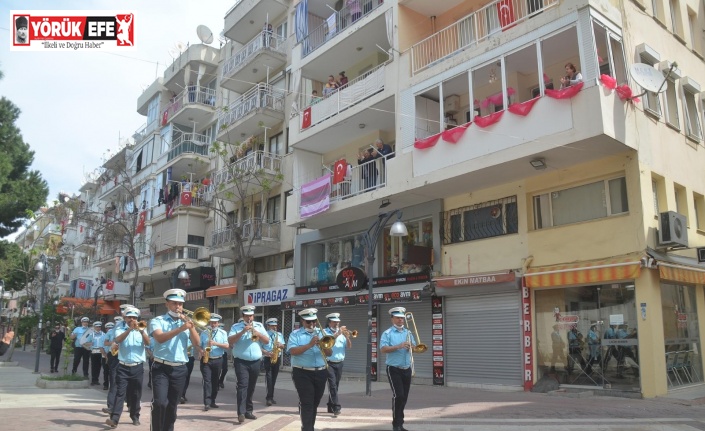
point(438, 359)
point(475, 280)
point(528, 347)
point(227, 301)
point(373, 345)
point(395, 280)
point(351, 278)
point(339, 301)
point(388, 298)
point(270, 296)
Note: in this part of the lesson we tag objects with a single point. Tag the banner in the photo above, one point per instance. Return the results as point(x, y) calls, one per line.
point(315, 196)
point(140, 222)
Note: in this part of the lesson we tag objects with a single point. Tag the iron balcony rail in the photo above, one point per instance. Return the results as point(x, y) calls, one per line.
point(188, 143)
point(264, 40)
point(247, 165)
point(260, 96)
point(477, 27)
point(189, 96)
point(252, 229)
point(336, 23)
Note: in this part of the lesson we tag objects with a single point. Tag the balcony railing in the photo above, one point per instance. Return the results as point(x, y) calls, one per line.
point(179, 253)
point(477, 27)
point(252, 229)
point(336, 23)
point(353, 93)
point(189, 143)
point(259, 96)
point(247, 165)
point(189, 96)
point(264, 40)
point(362, 178)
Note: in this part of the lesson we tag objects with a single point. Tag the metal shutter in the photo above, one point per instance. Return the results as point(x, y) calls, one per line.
point(353, 318)
point(482, 339)
point(423, 362)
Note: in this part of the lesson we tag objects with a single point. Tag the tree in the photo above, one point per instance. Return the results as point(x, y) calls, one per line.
point(247, 181)
point(21, 189)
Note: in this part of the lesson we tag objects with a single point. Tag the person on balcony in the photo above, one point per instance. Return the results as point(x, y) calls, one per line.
point(331, 86)
point(315, 98)
point(369, 170)
point(572, 76)
point(342, 80)
point(354, 8)
point(267, 35)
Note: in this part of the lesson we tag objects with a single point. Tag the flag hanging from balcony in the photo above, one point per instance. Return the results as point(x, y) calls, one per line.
point(306, 120)
point(82, 285)
point(186, 198)
point(140, 222)
point(165, 117)
point(315, 196)
point(505, 10)
point(340, 168)
point(169, 209)
point(110, 285)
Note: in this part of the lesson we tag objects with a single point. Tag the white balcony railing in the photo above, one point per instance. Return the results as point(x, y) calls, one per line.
point(336, 23)
point(355, 92)
point(477, 27)
point(252, 229)
point(189, 143)
point(362, 178)
point(259, 96)
point(264, 40)
point(253, 162)
point(189, 96)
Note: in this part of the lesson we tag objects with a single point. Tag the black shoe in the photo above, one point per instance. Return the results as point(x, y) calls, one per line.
point(241, 418)
point(135, 421)
point(215, 406)
point(111, 423)
point(330, 409)
point(336, 412)
point(222, 386)
point(106, 410)
point(249, 415)
point(273, 402)
point(206, 408)
point(105, 387)
point(182, 400)
point(269, 403)
point(95, 383)
point(400, 428)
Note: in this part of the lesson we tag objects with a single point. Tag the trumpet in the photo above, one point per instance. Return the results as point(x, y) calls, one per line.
point(141, 325)
point(115, 349)
point(200, 317)
point(351, 334)
point(419, 347)
point(253, 336)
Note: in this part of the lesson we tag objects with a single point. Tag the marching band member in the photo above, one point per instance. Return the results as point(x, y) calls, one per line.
point(248, 358)
point(335, 361)
point(272, 370)
point(171, 333)
point(396, 344)
point(217, 340)
point(130, 370)
point(96, 341)
point(224, 369)
point(308, 367)
point(112, 361)
point(189, 370)
point(79, 353)
point(104, 355)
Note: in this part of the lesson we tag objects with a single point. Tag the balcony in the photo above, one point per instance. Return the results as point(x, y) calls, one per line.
point(362, 178)
point(258, 163)
point(260, 236)
point(247, 17)
point(193, 144)
point(189, 64)
point(474, 29)
point(145, 131)
point(87, 243)
point(193, 104)
point(262, 105)
point(261, 56)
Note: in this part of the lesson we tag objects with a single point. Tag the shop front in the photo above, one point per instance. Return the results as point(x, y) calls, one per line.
point(484, 341)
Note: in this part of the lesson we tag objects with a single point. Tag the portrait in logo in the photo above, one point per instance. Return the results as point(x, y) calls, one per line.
point(22, 30)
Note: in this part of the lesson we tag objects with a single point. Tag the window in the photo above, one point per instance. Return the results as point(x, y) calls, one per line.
point(681, 200)
point(610, 53)
point(152, 112)
point(276, 144)
point(671, 105)
point(231, 218)
point(651, 101)
point(274, 209)
point(281, 30)
point(654, 193)
point(482, 220)
point(690, 108)
point(699, 201)
point(195, 240)
point(582, 203)
point(227, 270)
point(676, 20)
point(657, 9)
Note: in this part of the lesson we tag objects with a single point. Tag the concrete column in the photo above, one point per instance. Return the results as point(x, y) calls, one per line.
point(652, 352)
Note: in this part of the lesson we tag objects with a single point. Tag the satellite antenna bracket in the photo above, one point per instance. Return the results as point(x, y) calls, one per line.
point(204, 34)
point(648, 78)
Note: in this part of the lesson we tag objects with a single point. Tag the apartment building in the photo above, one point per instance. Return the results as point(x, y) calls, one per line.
point(557, 226)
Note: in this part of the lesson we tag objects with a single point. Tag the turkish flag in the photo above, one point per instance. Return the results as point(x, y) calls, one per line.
point(185, 198)
point(140, 222)
point(165, 118)
point(82, 285)
point(306, 123)
point(110, 285)
point(505, 11)
point(206, 181)
point(340, 168)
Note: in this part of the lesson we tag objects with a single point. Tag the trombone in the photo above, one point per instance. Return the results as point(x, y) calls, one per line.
point(200, 317)
point(419, 347)
point(326, 342)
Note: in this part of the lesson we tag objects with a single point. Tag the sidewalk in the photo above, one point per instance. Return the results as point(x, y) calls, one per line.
point(24, 406)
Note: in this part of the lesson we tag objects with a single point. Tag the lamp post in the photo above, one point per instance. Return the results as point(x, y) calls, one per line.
point(370, 239)
point(41, 267)
point(2, 298)
point(98, 292)
point(179, 273)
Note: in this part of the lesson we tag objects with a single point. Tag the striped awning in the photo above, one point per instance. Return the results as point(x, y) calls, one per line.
point(681, 273)
point(221, 290)
point(626, 267)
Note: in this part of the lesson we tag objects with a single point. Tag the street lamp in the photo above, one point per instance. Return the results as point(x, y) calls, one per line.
point(41, 267)
point(179, 273)
point(2, 298)
point(370, 239)
point(98, 293)
point(53, 312)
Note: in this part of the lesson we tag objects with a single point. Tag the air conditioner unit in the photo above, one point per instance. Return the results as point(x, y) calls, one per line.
point(250, 279)
point(451, 104)
point(673, 230)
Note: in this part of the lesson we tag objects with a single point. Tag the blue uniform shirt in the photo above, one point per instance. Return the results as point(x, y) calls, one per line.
point(132, 348)
point(245, 348)
point(79, 331)
point(311, 357)
point(341, 343)
point(98, 339)
point(609, 333)
point(391, 337)
point(273, 335)
point(219, 336)
point(174, 350)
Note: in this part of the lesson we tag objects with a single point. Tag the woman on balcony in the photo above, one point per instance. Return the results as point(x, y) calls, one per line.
point(572, 76)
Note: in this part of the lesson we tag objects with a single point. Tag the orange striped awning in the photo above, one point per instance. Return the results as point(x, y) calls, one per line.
point(221, 290)
point(680, 273)
point(626, 267)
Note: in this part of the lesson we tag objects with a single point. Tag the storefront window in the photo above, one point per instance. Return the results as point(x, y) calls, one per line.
point(325, 259)
point(682, 338)
point(410, 254)
point(587, 336)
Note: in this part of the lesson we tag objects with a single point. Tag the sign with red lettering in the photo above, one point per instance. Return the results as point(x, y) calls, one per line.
point(474, 280)
point(527, 343)
point(351, 278)
point(437, 346)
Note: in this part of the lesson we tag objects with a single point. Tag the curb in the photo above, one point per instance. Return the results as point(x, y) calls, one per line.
point(61, 384)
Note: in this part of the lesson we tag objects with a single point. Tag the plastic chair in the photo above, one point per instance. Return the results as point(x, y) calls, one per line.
point(670, 368)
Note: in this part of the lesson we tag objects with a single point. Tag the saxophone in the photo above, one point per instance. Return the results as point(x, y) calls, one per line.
point(276, 350)
point(207, 353)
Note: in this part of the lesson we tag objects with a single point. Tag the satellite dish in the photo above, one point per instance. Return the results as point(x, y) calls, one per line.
point(180, 46)
point(205, 34)
point(173, 53)
point(648, 77)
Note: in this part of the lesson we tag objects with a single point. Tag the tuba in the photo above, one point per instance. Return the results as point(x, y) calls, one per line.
point(200, 317)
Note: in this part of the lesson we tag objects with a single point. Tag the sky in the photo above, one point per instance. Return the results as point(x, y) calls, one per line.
point(77, 105)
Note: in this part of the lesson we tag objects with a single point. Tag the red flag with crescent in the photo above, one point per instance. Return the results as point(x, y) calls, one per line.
point(140, 222)
point(340, 168)
point(185, 198)
point(165, 118)
point(306, 121)
point(110, 285)
point(505, 10)
point(82, 285)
